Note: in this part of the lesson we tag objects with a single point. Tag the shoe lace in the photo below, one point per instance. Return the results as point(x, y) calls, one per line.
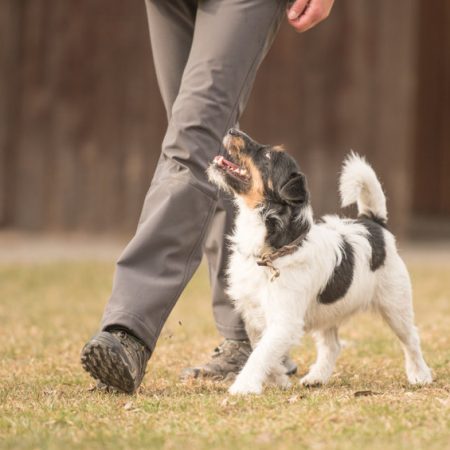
point(229, 346)
point(130, 343)
point(218, 350)
point(123, 338)
point(135, 349)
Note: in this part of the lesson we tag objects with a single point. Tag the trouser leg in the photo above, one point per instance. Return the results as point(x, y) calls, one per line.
point(171, 26)
point(229, 42)
point(169, 64)
point(216, 249)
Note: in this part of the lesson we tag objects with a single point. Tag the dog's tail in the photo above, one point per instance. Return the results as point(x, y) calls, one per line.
point(359, 184)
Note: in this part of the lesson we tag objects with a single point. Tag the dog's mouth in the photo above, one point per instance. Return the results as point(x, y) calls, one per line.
point(236, 171)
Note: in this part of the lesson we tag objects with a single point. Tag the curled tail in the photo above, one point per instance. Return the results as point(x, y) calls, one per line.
point(359, 184)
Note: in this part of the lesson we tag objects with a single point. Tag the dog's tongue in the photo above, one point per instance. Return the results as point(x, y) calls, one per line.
point(231, 167)
point(221, 161)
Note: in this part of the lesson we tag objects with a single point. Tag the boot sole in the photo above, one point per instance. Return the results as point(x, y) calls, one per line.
point(101, 357)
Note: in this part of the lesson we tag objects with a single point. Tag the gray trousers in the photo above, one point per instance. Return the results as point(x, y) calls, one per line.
point(206, 56)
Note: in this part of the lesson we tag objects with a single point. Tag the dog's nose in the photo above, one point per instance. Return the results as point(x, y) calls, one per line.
point(233, 132)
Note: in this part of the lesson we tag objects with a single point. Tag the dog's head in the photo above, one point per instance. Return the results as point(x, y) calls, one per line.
point(266, 179)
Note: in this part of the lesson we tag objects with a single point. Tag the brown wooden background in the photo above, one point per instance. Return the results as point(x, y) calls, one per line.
point(432, 162)
point(81, 119)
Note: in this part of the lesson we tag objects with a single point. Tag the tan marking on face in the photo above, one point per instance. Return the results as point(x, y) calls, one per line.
point(278, 148)
point(233, 144)
point(270, 184)
point(255, 194)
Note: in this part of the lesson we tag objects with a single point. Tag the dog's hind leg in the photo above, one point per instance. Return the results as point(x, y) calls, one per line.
point(403, 326)
point(328, 349)
point(397, 310)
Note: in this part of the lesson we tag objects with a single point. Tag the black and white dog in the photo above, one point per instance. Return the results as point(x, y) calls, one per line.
point(288, 275)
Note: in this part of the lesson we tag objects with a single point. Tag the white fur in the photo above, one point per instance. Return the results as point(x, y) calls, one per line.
point(215, 176)
point(277, 314)
point(359, 184)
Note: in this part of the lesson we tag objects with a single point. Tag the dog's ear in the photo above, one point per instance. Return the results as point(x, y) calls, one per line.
point(294, 190)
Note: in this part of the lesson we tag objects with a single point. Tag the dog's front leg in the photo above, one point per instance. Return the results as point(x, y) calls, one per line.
point(275, 342)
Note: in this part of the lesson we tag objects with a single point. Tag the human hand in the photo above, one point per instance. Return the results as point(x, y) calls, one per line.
point(305, 14)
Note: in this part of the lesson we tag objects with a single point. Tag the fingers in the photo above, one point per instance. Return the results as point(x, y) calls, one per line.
point(297, 9)
point(305, 14)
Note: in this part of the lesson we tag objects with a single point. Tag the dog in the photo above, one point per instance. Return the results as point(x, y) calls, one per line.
point(289, 275)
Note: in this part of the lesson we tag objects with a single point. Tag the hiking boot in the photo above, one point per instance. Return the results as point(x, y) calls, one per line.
point(227, 360)
point(117, 359)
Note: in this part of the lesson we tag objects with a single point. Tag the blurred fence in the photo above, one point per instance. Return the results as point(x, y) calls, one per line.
point(81, 120)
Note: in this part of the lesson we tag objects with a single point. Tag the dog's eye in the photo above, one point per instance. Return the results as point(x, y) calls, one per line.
point(267, 155)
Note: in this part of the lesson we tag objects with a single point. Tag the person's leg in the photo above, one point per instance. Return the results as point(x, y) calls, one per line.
point(230, 40)
point(116, 357)
point(171, 26)
point(171, 43)
point(216, 249)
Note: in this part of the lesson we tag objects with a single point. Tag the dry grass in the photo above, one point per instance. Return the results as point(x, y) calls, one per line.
point(48, 311)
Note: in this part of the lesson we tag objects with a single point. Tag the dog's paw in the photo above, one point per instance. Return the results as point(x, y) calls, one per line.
point(282, 381)
point(421, 377)
point(242, 388)
point(311, 379)
point(279, 379)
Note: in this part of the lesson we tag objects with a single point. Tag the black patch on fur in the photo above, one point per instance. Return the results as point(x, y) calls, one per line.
point(342, 277)
point(378, 220)
point(294, 190)
point(376, 239)
point(281, 228)
point(284, 199)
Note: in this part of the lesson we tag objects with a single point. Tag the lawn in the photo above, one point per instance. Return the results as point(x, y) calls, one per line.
point(48, 311)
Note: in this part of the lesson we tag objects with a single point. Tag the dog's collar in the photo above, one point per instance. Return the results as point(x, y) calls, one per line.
point(266, 258)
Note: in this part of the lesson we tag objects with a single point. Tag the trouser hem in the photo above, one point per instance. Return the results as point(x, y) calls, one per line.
point(232, 332)
point(132, 323)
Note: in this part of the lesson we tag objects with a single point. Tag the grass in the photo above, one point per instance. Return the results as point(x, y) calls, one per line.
point(48, 311)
